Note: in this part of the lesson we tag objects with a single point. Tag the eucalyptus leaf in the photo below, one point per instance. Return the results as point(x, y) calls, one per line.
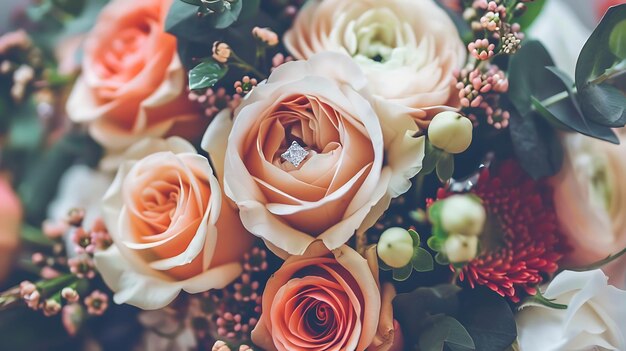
point(605, 47)
point(488, 318)
point(227, 17)
point(206, 74)
point(446, 331)
point(533, 10)
point(414, 310)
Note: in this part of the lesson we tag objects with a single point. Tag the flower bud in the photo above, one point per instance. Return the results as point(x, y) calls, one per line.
point(395, 247)
point(463, 215)
point(450, 132)
point(265, 35)
point(70, 294)
point(221, 52)
point(460, 248)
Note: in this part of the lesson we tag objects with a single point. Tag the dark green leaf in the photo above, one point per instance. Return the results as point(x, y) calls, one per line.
point(422, 261)
point(604, 48)
point(226, 18)
point(441, 259)
point(431, 158)
point(445, 167)
point(206, 74)
point(536, 145)
point(446, 331)
point(604, 103)
point(414, 310)
point(26, 129)
point(193, 2)
point(488, 319)
point(532, 12)
point(39, 186)
point(249, 10)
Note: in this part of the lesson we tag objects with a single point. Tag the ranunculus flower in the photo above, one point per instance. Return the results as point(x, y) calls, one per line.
point(353, 167)
point(172, 229)
point(590, 200)
point(595, 318)
point(408, 49)
point(10, 225)
point(325, 300)
point(133, 83)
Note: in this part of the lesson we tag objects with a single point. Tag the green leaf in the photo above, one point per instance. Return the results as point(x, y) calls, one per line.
point(445, 167)
point(604, 48)
point(39, 186)
point(446, 331)
point(431, 158)
point(422, 261)
point(533, 9)
point(193, 2)
point(249, 10)
point(403, 273)
point(604, 104)
point(415, 236)
point(26, 130)
point(441, 259)
point(488, 318)
point(414, 310)
point(206, 74)
point(226, 18)
point(536, 145)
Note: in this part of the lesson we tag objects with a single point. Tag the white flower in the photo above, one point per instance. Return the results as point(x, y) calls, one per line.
point(595, 318)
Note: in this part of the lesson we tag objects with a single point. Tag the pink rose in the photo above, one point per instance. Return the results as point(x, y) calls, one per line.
point(408, 49)
point(171, 227)
point(325, 300)
point(133, 84)
point(353, 168)
point(590, 200)
point(10, 226)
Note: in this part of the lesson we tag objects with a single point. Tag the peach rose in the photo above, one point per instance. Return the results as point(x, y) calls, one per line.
point(170, 225)
point(10, 225)
point(408, 49)
point(133, 83)
point(325, 300)
point(353, 167)
point(590, 200)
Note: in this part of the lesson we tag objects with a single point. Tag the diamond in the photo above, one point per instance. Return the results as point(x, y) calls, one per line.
point(295, 154)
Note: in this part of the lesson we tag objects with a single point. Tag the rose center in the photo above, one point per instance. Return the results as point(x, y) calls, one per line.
point(160, 200)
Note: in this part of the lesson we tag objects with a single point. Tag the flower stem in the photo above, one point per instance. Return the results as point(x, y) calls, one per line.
point(601, 263)
point(238, 62)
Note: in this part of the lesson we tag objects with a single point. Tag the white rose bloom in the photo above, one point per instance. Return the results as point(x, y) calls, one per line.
point(594, 320)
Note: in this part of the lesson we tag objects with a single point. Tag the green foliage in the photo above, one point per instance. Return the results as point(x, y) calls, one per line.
point(602, 60)
point(437, 160)
point(206, 74)
point(38, 186)
point(216, 14)
point(446, 331)
point(532, 12)
point(488, 318)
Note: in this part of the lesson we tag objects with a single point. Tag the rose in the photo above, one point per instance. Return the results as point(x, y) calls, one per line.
point(408, 49)
point(133, 83)
point(353, 168)
point(590, 200)
point(171, 227)
point(595, 317)
point(325, 300)
point(10, 222)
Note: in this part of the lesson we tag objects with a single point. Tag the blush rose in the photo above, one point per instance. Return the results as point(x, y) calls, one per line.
point(408, 49)
point(132, 84)
point(354, 167)
point(171, 227)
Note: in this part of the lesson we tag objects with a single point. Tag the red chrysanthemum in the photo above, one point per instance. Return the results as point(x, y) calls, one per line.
point(530, 244)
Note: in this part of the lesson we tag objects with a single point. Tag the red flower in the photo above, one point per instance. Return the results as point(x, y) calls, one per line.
point(529, 245)
point(602, 5)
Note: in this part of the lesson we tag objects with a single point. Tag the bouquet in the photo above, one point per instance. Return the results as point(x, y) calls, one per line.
point(285, 175)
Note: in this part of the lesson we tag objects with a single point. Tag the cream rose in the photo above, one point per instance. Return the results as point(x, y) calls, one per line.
point(325, 300)
point(353, 167)
point(171, 227)
point(590, 201)
point(133, 84)
point(595, 318)
point(408, 49)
